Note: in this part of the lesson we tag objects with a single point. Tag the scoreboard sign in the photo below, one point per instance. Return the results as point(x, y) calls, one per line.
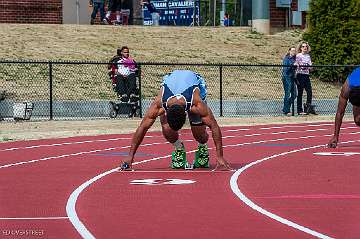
point(283, 3)
point(174, 12)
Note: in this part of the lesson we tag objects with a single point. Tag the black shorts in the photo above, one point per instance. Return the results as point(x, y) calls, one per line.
point(114, 5)
point(195, 119)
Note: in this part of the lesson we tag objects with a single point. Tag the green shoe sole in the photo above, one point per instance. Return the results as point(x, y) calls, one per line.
point(178, 164)
point(200, 162)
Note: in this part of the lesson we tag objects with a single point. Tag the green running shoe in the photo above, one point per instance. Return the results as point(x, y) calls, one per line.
point(202, 157)
point(178, 158)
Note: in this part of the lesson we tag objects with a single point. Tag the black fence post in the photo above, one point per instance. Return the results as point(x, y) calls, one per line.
point(51, 90)
point(140, 94)
point(221, 91)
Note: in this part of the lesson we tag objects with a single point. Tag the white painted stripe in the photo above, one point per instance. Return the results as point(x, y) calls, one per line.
point(296, 126)
point(123, 147)
point(73, 154)
point(236, 130)
point(70, 206)
point(282, 132)
point(235, 188)
point(33, 218)
point(177, 171)
point(69, 143)
point(116, 139)
point(71, 203)
point(65, 143)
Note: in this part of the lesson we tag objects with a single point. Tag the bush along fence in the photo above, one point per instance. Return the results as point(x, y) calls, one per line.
point(83, 90)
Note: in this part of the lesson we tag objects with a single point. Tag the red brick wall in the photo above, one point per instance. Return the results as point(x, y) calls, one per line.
point(31, 11)
point(278, 15)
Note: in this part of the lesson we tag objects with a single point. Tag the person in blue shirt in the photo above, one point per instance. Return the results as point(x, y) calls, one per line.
point(227, 21)
point(288, 79)
point(350, 91)
point(182, 93)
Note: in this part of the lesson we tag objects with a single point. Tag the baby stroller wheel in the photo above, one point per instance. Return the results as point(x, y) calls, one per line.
point(113, 110)
point(137, 112)
point(113, 114)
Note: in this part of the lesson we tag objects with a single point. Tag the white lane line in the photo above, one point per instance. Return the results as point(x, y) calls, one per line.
point(288, 126)
point(70, 207)
point(66, 143)
point(73, 154)
point(61, 144)
point(33, 218)
point(151, 136)
point(236, 130)
point(150, 144)
point(235, 188)
point(296, 126)
point(71, 203)
point(177, 171)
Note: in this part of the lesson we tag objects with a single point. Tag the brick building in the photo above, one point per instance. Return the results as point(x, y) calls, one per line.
point(31, 11)
point(280, 17)
point(61, 11)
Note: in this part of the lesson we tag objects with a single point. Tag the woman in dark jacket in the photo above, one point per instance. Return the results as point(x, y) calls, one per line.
point(288, 79)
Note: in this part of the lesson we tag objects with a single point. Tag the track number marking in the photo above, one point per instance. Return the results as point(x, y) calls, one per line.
point(336, 153)
point(159, 181)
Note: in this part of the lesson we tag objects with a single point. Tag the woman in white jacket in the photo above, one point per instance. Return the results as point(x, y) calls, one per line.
point(303, 63)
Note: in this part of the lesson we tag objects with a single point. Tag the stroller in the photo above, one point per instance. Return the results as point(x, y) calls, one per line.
point(126, 104)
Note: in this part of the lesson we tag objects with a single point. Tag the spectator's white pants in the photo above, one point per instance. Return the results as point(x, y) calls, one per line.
point(155, 18)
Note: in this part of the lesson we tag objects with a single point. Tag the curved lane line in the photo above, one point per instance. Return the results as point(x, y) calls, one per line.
point(32, 218)
point(71, 203)
point(70, 206)
point(235, 188)
point(151, 136)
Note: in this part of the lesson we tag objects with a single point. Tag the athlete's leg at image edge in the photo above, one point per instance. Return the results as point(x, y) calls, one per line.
point(178, 156)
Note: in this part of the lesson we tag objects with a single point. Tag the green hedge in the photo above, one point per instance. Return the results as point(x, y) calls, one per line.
point(334, 36)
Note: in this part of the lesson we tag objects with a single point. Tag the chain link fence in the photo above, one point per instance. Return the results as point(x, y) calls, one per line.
point(79, 90)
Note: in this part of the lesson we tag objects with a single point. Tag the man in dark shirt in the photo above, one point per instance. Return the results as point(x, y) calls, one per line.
point(154, 13)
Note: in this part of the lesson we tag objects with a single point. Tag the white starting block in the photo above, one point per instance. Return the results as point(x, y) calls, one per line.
point(23, 111)
point(189, 166)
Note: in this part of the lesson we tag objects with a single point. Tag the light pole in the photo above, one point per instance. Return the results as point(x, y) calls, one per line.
point(214, 13)
point(77, 12)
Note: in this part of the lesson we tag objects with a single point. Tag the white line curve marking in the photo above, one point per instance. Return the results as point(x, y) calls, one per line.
point(235, 188)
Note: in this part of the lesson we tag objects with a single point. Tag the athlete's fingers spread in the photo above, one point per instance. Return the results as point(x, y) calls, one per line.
point(125, 167)
point(224, 166)
point(332, 145)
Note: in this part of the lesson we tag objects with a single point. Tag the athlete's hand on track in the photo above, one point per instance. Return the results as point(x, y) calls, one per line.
point(126, 165)
point(333, 142)
point(221, 163)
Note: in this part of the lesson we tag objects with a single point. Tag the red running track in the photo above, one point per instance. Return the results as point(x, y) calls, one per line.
point(286, 185)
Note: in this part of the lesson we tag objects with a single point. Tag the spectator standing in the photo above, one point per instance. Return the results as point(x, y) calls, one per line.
point(113, 6)
point(288, 79)
point(303, 63)
point(155, 16)
point(227, 21)
point(98, 5)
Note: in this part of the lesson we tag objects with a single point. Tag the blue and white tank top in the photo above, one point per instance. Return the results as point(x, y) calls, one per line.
point(354, 78)
point(182, 84)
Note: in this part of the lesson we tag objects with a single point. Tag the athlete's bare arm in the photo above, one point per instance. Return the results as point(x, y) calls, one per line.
point(199, 107)
point(153, 112)
point(343, 99)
